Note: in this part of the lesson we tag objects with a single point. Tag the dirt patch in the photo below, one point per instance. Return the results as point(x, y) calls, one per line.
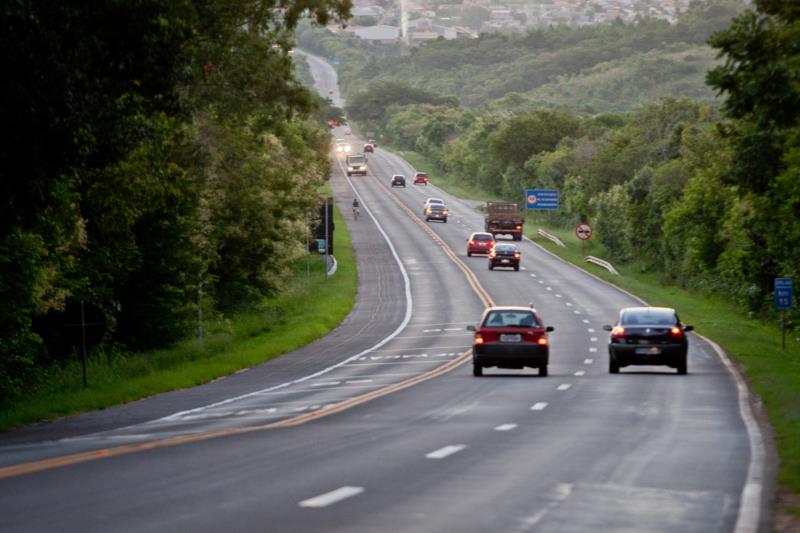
point(787, 512)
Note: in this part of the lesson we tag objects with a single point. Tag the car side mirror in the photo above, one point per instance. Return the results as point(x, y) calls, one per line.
point(607, 327)
point(549, 329)
point(688, 328)
point(470, 328)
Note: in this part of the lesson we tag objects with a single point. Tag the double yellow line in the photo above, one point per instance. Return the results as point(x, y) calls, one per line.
point(83, 457)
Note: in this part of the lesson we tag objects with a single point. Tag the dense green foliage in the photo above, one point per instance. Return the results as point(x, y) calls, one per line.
point(705, 197)
point(588, 69)
point(160, 157)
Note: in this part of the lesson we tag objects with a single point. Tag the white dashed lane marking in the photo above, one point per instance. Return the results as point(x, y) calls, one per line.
point(580, 373)
point(588, 361)
point(538, 406)
point(593, 339)
point(358, 381)
point(505, 427)
point(585, 321)
point(326, 384)
point(329, 498)
point(592, 350)
point(564, 386)
point(447, 451)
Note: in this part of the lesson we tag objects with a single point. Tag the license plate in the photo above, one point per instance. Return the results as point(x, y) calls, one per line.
point(653, 350)
point(504, 261)
point(510, 337)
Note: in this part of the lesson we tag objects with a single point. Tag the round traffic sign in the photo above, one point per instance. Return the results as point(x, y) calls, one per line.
point(532, 199)
point(584, 232)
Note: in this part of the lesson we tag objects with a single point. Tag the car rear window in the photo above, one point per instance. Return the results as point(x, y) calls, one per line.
point(485, 237)
point(511, 319)
point(648, 317)
point(505, 248)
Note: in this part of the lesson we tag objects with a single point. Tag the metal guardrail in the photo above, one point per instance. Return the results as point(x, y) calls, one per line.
point(333, 266)
point(600, 262)
point(553, 238)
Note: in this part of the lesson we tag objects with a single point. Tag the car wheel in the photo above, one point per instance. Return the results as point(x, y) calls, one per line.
point(543, 371)
point(445, 221)
point(613, 366)
point(682, 367)
point(490, 266)
point(469, 254)
point(516, 267)
point(477, 370)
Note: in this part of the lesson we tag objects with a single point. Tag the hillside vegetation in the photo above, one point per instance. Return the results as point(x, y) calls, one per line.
point(646, 60)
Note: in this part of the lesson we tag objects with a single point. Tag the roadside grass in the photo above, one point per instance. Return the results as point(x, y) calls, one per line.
point(310, 307)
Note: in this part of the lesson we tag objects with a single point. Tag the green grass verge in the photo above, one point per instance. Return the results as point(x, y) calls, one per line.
point(309, 308)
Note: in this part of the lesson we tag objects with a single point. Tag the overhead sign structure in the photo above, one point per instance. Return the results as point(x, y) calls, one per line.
point(783, 293)
point(584, 232)
point(541, 198)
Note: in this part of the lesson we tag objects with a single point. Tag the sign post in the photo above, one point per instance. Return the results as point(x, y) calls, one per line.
point(783, 301)
point(584, 233)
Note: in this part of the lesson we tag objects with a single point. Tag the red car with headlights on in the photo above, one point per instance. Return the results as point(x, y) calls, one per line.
point(648, 336)
point(510, 337)
point(480, 243)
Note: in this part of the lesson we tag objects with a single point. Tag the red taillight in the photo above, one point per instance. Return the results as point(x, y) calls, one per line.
point(618, 332)
point(676, 332)
point(471, 243)
point(516, 255)
point(478, 339)
point(542, 341)
point(519, 227)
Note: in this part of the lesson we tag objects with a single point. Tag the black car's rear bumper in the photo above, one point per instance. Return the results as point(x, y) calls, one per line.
point(511, 355)
point(641, 354)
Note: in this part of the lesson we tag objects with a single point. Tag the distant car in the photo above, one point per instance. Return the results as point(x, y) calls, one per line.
point(369, 148)
point(480, 243)
point(504, 255)
point(398, 180)
point(432, 200)
point(510, 337)
point(343, 147)
point(648, 336)
point(436, 212)
point(347, 131)
point(373, 142)
point(421, 177)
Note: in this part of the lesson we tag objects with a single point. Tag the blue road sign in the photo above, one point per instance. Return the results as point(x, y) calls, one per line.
point(783, 293)
point(541, 198)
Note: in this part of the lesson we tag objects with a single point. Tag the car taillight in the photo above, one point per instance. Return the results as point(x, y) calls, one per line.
point(444, 212)
point(492, 254)
point(618, 333)
point(479, 338)
point(471, 243)
point(542, 341)
point(676, 332)
point(516, 255)
point(519, 227)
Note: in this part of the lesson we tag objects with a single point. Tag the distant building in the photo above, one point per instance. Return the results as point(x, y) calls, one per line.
point(380, 34)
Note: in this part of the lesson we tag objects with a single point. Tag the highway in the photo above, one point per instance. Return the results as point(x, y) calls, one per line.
point(380, 426)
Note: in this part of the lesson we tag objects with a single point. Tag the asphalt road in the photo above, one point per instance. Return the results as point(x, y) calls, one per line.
point(378, 427)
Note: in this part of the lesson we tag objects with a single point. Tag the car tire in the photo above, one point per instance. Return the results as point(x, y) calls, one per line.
point(491, 267)
point(445, 221)
point(469, 254)
point(682, 367)
point(613, 366)
point(477, 370)
point(543, 371)
point(516, 268)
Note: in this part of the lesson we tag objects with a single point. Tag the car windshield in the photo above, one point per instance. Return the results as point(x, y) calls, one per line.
point(356, 159)
point(435, 201)
point(522, 319)
point(648, 317)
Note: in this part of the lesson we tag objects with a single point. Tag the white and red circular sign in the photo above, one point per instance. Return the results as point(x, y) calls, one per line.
point(584, 232)
point(532, 199)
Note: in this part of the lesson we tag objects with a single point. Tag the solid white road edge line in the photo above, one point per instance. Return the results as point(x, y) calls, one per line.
point(392, 335)
point(329, 498)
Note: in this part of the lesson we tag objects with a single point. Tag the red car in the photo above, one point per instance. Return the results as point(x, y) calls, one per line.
point(480, 243)
point(420, 177)
point(369, 148)
point(510, 337)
